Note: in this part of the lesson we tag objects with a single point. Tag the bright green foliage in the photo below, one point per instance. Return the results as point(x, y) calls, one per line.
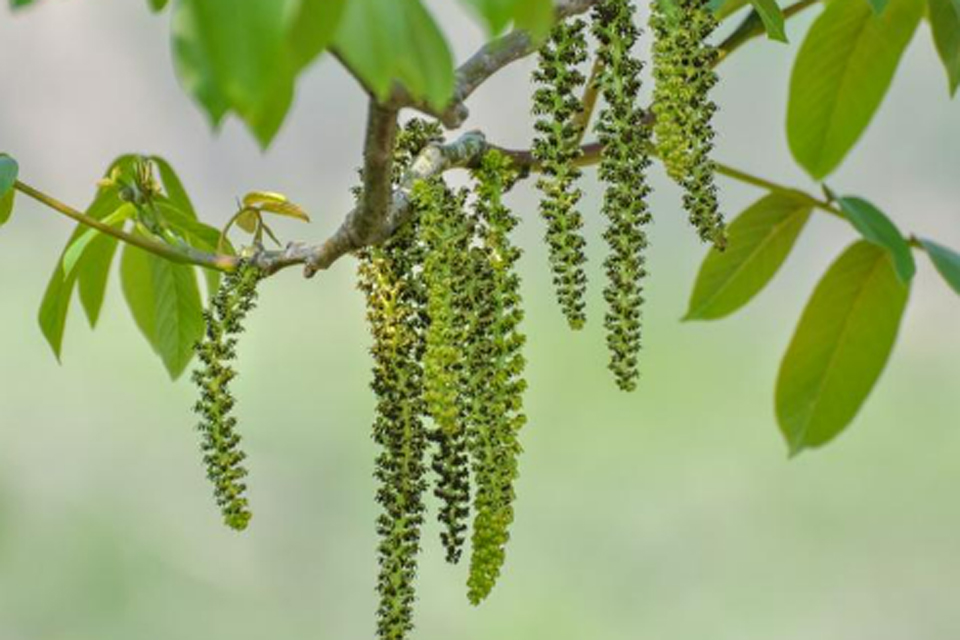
point(8, 177)
point(876, 227)
point(165, 302)
point(160, 210)
point(841, 75)
point(683, 63)
point(535, 16)
point(625, 134)
point(841, 346)
point(218, 426)
point(395, 311)
point(238, 61)
point(383, 42)
point(947, 262)
point(760, 239)
point(496, 366)
point(772, 17)
point(944, 16)
point(557, 148)
point(446, 239)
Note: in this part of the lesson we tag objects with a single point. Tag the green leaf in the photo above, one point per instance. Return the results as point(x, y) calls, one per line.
point(19, 4)
point(314, 28)
point(726, 8)
point(535, 16)
point(947, 262)
point(876, 227)
point(158, 5)
point(841, 346)
point(841, 75)
point(759, 240)
point(772, 17)
point(234, 56)
point(6, 206)
point(77, 249)
point(199, 236)
point(54, 308)
point(878, 5)
point(9, 170)
point(383, 42)
point(174, 187)
point(91, 274)
point(944, 18)
point(165, 302)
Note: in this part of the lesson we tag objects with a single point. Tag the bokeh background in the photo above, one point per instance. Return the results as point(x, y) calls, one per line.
point(669, 514)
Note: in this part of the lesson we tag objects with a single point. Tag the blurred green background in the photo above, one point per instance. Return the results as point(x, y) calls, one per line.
point(669, 514)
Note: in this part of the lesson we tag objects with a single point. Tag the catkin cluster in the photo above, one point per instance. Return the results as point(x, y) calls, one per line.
point(623, 130)
point(556, 148)
point(446, 238)
point(496, 365)
point(683, 62)
point(222, 455)
point(443, 305)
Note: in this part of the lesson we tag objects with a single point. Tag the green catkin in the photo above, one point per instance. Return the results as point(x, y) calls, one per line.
point(626, 136)
point(683, 62)
point(394, 310)
point(223, 457)
point(556, 148)
point(390, 277)
point(496, 366)
point(446, 239)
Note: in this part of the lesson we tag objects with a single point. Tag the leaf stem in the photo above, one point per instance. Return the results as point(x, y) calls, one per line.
point(182, 255)
point(752, 27)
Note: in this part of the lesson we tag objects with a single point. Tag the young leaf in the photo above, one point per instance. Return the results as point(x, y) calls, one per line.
point(841, 75)
point(840, 347)
point(6, 206)
point(876, 227)
point(54, 308)
point(772, 17)
point(77, 249)
point(726, 8)
point(535, 16)
point(165, 302)
point(158, 5)
point(174, 187)
point(314, 28)
point(235, 56)
point(383, 42)
point(759, 240)
point(9, 171)
point(947, 262)
point(91, 274)
point(945, 24)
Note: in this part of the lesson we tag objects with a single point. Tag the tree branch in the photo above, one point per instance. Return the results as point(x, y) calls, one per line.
point(180, 254)
point(491, 58)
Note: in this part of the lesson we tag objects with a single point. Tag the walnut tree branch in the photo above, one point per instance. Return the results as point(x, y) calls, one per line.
point(490, 59)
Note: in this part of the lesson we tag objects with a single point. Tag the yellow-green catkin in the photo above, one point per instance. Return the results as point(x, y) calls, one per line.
point(683, 61)
point(626, 136)
point(446, 240)
point(394, 311)
point(222, 455)
point(390, 276)
point(496, 365)
point(557, 147)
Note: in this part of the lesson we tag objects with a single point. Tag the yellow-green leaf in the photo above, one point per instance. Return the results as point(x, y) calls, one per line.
point(841, 75)
point(759, 240)
point(841, 346)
